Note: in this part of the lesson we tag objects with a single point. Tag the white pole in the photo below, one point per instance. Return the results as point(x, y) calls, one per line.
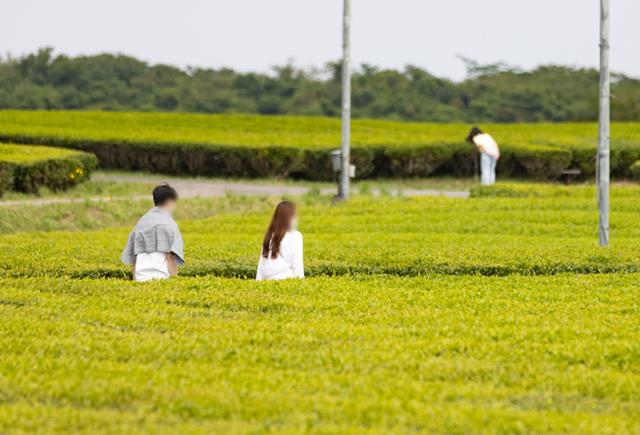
point(602, 173)
point(343, 189)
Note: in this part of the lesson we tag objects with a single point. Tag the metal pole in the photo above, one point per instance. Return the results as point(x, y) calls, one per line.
point(343, 189)
point(602, 168)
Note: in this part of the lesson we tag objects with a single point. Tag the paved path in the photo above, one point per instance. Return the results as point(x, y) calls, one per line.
point(200, 188)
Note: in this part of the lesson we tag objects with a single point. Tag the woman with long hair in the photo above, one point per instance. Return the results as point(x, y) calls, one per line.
point(281, 256)
point(489, 154)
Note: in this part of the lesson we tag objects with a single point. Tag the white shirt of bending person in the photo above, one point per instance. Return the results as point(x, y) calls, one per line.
point(487, 145)
point(288, 264)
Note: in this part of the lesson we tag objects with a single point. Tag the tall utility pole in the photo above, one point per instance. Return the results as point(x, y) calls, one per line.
point(602, 165)
point(343, 189)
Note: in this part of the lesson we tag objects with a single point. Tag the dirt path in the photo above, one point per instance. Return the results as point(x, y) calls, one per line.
point(194, 188)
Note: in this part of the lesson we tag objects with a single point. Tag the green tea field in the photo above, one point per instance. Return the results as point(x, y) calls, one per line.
point(268, 146)
point(493, 314)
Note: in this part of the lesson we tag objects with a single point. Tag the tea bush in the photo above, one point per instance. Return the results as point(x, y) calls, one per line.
point(545, 234)
point(28, 168)
point(634, 170)
point(410, 338)
point(262, 146)
point(376, 354)
point(6, 177)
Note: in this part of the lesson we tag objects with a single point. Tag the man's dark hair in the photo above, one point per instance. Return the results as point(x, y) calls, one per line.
point(164, 193)
point(473, 133)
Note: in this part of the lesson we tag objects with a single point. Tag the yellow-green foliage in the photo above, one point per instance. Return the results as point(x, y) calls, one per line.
point(489, 236)
point(93, 215)
point(570, 192)
point(368, 352)
point(249, 145)
point(27, 168)
point(634, 170)
point(370, 355)
point(29, 154)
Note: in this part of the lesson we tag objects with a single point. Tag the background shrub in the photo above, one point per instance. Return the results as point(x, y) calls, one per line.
point(55, 174)
point(28, 168)
point(6, 177)
point(418, 161)
point(542, 162)
point(634, 170)
point(281, 146)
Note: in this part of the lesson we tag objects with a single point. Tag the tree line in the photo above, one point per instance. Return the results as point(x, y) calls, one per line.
point(490, 93)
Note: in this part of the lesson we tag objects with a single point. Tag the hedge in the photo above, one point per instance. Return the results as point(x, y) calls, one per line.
point(322, 355)
point(6, 177)
point(281, 146)
point(28, 168)
point(634, 170)
point(529, 230)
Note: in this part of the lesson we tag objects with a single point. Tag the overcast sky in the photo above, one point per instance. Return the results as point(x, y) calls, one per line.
point(257, 34)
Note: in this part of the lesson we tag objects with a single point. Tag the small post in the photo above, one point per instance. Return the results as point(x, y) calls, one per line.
point(343, 186)
point(602, 165)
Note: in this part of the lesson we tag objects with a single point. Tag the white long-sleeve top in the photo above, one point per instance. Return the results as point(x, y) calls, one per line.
point(288, 264)
point(487, 144)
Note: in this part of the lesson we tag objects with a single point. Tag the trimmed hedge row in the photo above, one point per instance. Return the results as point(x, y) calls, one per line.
point(539, 162)
point(378, 354)
point(260, 146)
point(244, 161)
point(6, 177)
point(530, 230)
point(28, 168)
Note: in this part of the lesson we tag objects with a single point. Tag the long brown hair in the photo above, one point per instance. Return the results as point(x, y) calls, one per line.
point(473, 133)
point(280, 224)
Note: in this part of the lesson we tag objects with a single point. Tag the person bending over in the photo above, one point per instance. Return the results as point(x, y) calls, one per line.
point(489, 154)
point(281, 256)
point(155, 247)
